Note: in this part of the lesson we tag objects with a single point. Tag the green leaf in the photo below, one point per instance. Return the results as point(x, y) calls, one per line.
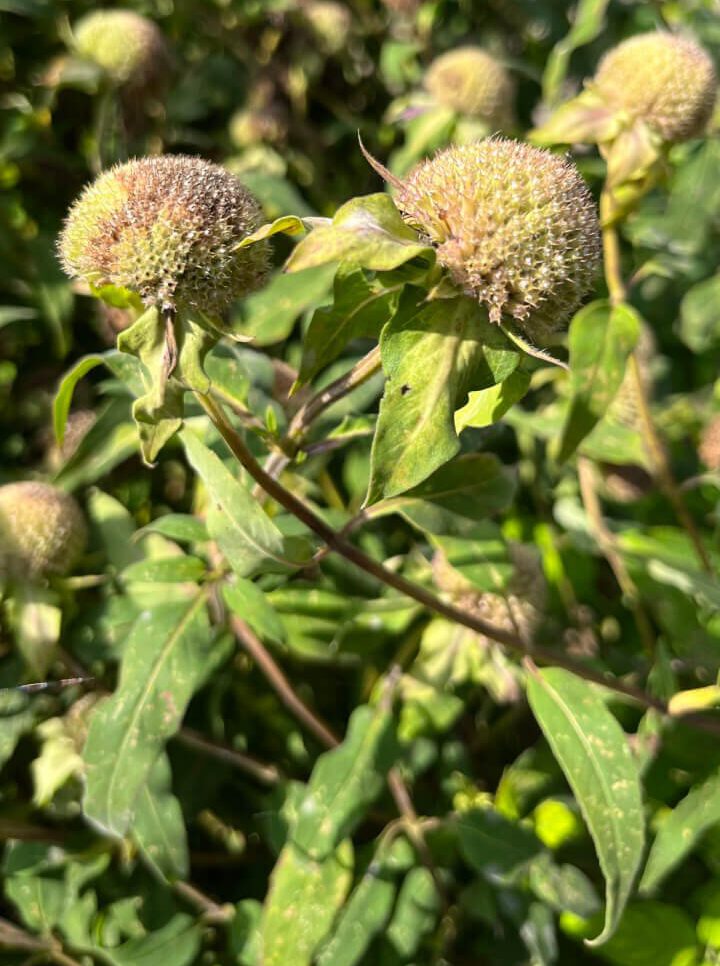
point(361, 306)
point(488, 406)
point(177, 942)
point(602, 336)
point(268, 316)
point(563, 887)
point(593, 752)
point(246, 534)
point(681, 831)
point(64, 394)
point(176, 526)
point(17, 717)
point(165, 660)
point(700, 315)
point(346, 781)
point(36, 618)
point(287, 224)
point(459, 494)
point(697, 585)
point(492, 844)
point(245, 937)
point(588, 19)
point(368, 232)
point(116, 529)
point(654, 934)
point(424, 134)
point(301, 905)
point(433, 355)
point(367, 910)
point(158, 827)
point(165, 570)
point(245, 599)
point(416, 913)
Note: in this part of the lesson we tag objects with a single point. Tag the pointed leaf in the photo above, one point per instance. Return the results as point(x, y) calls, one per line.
point(346, 781)
point(601, 339)
point(158, 827)
point(593, 752)
point(165, 660)
point(248, 601)
point(433, 354)
point(488, 406)
point(64, 394)
point(268, 316)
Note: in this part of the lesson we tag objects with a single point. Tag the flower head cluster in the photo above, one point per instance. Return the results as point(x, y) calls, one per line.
point(42, 531)
point(167, 228)
point(473, 83)
point(515, 226)
point(665, 80)
point(129, 47)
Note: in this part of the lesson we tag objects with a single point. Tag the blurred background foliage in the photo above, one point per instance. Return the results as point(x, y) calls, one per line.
point(278, 91)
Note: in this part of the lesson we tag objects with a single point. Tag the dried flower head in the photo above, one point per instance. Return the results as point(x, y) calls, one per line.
point(665, 80)
point(42, 531)
point(129, 47)
point(515, 226)
point(709, 450)
point(472, 83)
point(330, 23)
point(167, 228)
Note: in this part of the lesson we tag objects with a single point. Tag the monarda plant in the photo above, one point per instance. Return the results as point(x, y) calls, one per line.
point(128, 47)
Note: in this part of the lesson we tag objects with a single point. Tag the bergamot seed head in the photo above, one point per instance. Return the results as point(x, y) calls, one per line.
point(167, 228)
point(42, 531)
point(665, 80)
point(472, 83)
point(130, 48)
point(515, 226)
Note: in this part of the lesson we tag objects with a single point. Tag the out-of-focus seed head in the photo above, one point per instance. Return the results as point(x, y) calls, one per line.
point(42, 531)
point(330, 23)
point(665, 80)
point(709, 450)
point(472, 83)
point(515, 226)
point(129, 47)
point(167, 228)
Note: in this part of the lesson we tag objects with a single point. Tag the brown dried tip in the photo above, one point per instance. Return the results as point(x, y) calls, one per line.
point(168, 229)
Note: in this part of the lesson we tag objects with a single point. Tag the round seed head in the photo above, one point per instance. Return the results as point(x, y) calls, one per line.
point(515, 226)
point(330, 23)
point(709, 450)
point(472, 83)
point(665, 80)
point(129, 47)
point(42, 531)
point(167, 228)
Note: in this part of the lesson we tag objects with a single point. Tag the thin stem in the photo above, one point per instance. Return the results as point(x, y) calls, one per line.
point(211, 911)
point(282, 687)
point(415, 591)
point(268, 774)
point(309, 412)
point(606, 542)
point(652, 439)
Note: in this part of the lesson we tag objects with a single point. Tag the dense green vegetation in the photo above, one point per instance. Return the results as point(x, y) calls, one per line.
point(359, 502)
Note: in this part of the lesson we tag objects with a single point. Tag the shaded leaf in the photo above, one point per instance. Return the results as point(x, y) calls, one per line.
point(416, 913)
point(158, 827)
point(493, 845)
point(346, 781)
point(593, 752)
point(268, 316)
point(164, 661)
point(249, 602)
point(169, 570)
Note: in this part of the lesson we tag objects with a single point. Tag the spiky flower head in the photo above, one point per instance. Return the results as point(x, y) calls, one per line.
point(167, 228)
point(709, 450)
point(665, 80)
point(42, 531)
point(130, 48)
point(515, 226)
point(473, 83)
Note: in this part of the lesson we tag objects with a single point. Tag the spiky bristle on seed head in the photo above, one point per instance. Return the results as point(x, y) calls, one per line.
point(167, 228)
point(666, 80)
point(515, 226)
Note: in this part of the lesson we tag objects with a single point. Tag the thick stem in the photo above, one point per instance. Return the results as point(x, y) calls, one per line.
point(651, 436)
point(415, 591)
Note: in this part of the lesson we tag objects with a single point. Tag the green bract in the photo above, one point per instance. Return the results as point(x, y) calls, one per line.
point(472, 83)
point(665, 80)
point(42, 531)
point(168, 229)
point(129, 47)
point(515, 227)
